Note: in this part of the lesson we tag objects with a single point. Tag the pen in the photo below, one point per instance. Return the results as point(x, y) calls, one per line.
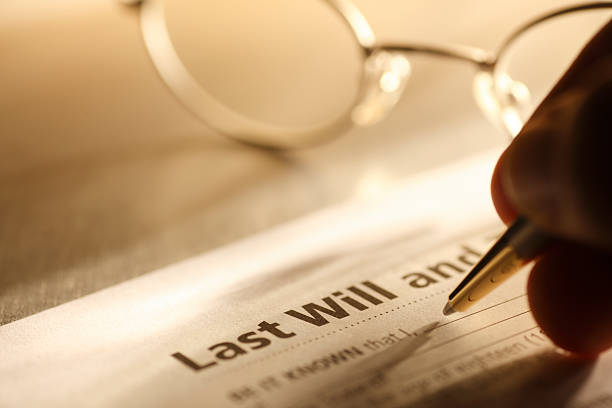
point(521, 242)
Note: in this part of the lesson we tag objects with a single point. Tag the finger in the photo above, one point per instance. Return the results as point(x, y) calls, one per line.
point(569, 295)
point(557, 172)
point(505, 209)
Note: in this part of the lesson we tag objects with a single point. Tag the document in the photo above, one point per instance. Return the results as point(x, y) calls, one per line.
point(342, 308)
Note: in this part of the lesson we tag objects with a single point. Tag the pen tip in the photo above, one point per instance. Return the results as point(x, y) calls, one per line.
point(448, 309)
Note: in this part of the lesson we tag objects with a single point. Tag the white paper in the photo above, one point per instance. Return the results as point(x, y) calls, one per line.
point(189, 335)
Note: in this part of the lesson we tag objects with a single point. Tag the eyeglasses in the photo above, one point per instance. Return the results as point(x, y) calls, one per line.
point(508, 82)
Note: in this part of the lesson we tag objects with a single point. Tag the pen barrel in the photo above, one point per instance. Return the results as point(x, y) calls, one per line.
point(521, 242)
point(503, 265)
point(528, 240)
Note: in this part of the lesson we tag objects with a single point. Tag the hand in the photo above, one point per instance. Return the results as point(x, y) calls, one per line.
point(558, 173)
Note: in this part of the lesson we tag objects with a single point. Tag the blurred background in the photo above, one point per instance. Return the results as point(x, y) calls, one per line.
point(105, 176)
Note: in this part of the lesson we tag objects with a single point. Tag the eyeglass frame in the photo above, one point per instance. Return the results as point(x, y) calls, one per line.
point(501, 107)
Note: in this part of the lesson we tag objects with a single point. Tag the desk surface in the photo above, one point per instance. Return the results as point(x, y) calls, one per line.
point(104, 176)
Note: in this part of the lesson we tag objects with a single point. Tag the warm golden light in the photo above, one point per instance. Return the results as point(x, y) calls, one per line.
point(512, 121)
point(389, 82)
point(373, 183)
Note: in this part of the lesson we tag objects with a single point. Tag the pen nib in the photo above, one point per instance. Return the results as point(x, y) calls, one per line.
point(448, 309)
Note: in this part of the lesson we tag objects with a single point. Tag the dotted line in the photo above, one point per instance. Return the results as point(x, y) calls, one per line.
point(354, 324)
